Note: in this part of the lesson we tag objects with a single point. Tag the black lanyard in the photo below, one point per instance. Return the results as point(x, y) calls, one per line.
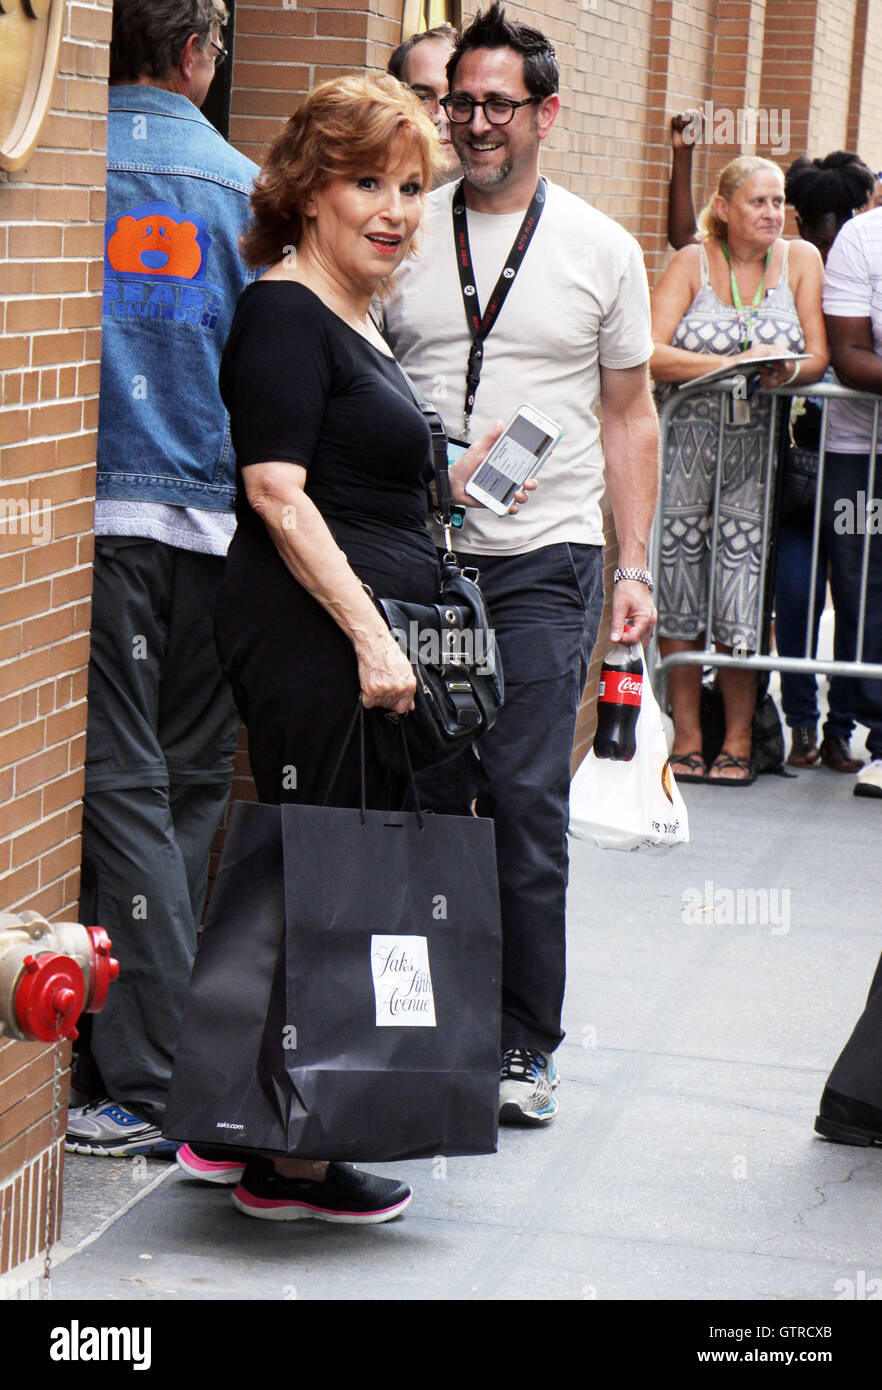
point(481, 324)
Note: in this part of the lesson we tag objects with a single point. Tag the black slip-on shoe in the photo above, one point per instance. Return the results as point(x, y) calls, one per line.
point(347, 1195)
point(848, 1121)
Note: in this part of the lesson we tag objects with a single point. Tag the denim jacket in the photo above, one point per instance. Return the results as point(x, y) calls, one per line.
point(177, 202)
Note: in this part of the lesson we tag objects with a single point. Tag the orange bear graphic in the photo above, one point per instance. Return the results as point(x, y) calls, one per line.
point(135, 235)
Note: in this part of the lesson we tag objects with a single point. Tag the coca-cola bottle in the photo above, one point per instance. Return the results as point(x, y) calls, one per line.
point(618, 703)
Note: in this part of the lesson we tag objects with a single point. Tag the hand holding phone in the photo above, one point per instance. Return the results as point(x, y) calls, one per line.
point(514, 460)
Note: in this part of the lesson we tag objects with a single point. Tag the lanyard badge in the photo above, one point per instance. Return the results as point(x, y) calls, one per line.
point(480, 324)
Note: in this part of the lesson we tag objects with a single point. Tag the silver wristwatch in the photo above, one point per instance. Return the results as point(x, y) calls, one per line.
point(642, 576)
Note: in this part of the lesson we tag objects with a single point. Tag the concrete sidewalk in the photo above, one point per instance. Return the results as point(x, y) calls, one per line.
point(682, 1164)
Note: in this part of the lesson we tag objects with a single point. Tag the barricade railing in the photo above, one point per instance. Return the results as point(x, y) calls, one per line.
point(760, 660)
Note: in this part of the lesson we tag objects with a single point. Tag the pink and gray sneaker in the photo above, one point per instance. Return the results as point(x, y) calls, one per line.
point(195, 1165)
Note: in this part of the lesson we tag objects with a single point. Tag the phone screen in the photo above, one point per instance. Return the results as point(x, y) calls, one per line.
point(455, 450)
point(512, 459)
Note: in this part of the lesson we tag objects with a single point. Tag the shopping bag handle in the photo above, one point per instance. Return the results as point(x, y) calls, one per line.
point(358, 717)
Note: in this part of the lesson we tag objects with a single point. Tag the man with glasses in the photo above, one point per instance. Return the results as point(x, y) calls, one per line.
point(161, 721)
point(524, 294)
point(421, 64)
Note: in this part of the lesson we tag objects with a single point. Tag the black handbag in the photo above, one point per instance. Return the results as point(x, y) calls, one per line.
point(799, 485)
point(449, 643)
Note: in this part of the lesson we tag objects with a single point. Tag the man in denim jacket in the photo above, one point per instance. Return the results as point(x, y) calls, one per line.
point(161, 722)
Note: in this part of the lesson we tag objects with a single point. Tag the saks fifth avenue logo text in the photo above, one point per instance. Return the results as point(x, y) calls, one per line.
point(402, 982)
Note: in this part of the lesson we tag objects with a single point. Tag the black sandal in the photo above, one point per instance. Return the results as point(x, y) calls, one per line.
point(725, 759)
point(692, 761)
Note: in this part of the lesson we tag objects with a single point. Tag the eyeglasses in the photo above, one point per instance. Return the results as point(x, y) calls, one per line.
point(221, 52)
point(497, 110)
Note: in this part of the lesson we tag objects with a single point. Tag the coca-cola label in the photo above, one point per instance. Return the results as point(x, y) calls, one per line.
point(620, 688)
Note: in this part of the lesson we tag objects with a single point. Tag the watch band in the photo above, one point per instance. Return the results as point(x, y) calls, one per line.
point(641, 576)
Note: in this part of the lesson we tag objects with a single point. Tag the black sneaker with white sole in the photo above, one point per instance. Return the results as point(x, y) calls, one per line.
point(527, 1080)
point(346, 1195)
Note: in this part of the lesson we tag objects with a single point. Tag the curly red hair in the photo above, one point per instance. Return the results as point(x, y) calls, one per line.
point(349, 125)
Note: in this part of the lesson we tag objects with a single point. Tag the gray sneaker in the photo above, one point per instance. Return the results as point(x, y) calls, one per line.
point(108, 1130)
point(527, 1080)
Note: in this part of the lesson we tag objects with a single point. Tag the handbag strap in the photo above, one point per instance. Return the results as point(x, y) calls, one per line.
point(359, 711)
point(358, 716)
point(447, 513)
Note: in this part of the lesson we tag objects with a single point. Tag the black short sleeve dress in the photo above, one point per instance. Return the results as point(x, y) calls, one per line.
point(303, 387)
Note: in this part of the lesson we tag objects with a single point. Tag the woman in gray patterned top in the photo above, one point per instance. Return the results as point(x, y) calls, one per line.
point(740, 292)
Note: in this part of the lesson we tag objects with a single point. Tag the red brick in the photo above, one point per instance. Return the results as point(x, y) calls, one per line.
point(65, 724)
point(60, 277)
point(62, 205)
point(64, 791)
point(24, 810)
point(13, 426)
point(25, 602)
point(16, 277)
point(70, 520)
point(82, 312)
point(57, 347)
point(89, 169)
point(52, 558)
point(85, 241)
point(13, 352)
point(11, 388)
point(16, 885)
point(273, 19)
point(59, 861)
point(39, 839)
point(48, 629)
point(64, 418)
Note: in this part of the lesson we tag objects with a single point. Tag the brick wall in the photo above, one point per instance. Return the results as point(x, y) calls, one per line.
point(51, 250)
point(869, 141)
point(831, 75)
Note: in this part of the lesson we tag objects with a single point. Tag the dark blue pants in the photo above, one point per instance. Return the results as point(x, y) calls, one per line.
point(545, 608)
point(844, 476)
point(799, 693)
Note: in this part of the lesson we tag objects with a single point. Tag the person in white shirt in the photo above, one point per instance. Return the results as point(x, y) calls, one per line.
point(555, 296)
point(853, 315)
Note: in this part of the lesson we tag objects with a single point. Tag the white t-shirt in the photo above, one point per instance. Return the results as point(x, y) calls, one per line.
point(580, 300)
point(853, 290)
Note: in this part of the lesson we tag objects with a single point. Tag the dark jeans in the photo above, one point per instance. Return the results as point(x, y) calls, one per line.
point(858, 1071)
point(160, 743)
point(545, 608)
point(844, 476)
point(799, 693)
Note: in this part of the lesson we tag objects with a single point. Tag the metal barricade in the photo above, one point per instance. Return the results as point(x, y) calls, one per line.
point(823, 393)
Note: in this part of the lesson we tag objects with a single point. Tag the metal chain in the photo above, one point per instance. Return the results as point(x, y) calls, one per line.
point(52, 1190)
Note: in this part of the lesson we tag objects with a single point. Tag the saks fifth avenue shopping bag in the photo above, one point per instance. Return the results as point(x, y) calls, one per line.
point(345, 1001)
point(631, 805)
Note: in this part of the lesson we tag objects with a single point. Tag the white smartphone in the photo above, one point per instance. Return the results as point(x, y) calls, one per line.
point(517, 455)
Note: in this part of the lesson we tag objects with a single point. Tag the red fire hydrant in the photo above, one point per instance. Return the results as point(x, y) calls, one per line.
point(50, 973)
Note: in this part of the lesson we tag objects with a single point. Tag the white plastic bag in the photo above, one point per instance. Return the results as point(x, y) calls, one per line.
point(633, 805)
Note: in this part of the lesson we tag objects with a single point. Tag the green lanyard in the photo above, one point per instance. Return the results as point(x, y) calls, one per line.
point(746, 316)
